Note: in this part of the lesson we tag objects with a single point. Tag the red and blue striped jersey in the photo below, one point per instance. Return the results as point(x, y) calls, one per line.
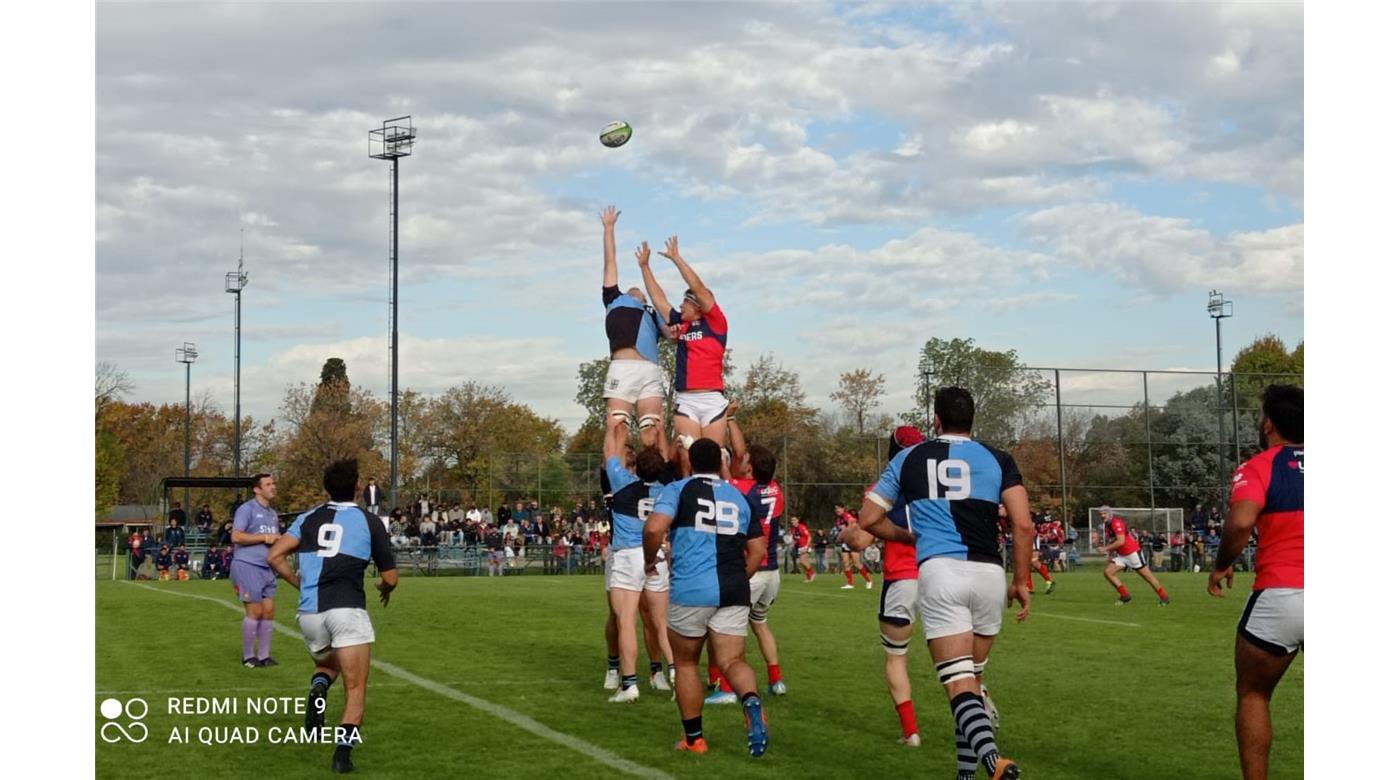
point(700, 350)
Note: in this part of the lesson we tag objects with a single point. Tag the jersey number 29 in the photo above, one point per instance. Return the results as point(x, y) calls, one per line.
point(717, 517)
point(328, 540)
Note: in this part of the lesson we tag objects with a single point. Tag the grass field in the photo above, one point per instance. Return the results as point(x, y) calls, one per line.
point(1086, 689)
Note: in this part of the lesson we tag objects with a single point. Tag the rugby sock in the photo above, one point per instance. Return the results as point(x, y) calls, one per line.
point(250, 634)
point(967, 760)
point(724, 685)
point(655, 667)
point(971, 716)
point(321, 680)
point(907, 722)
point(848, 577)
point(864, 572)
point(1162, 593)
point(614, 662)
point(628, 680)
point(264, 638)
point(1044, 572)
point(746, 698)
point(693, 731)
point(775, 673)
point(347, 736)
point(714, 675)
point(1123, 591)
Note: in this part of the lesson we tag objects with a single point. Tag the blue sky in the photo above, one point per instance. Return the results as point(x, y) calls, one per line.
point(1068, 181)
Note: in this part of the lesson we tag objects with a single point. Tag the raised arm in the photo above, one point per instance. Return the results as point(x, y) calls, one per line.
point(658, 295)
point(615, 439)
point(609, 217)
point(672, 252)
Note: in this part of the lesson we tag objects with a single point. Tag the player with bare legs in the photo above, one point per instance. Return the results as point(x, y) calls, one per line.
point(635, 384)
point(1267, 496)
point(1124, 552)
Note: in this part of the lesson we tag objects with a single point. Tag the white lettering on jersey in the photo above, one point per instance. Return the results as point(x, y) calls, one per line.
point(717, 517)
point(956, 486)
point(328, 540)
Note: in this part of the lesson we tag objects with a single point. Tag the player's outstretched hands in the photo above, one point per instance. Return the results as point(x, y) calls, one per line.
point(672, 251)
point(1018, 592)
point(609, 216)
point(643, 255)
point(384, 590)
point(731, 409)
point(1213, 587)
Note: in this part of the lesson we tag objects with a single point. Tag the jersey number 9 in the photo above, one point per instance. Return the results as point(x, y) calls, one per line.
point(953, 478)
point(717, 517)
point(328, 540)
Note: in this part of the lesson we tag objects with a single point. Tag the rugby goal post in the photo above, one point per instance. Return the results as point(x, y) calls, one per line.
point(1167, 520)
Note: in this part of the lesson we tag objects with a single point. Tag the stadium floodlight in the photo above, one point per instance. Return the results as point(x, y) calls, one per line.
point(187, 354)
point(1220, 309)
point(234, 282)
point(391, 141)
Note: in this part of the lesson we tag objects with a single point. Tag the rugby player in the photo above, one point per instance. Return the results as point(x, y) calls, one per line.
point(1124, 552)
point(849, 556)
point(899, 596)
point(633, 495)
point(754, 479)
point(335, 543)
point(951, 486)
point(635, 384)
point(255, 529)
point(802, 539)
point(702, 334)
point(1040, 539)
point(1267, 495)
point(716, 545)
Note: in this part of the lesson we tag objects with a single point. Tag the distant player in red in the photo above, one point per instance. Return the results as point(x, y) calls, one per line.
point(701, 332)
point(802, 540)
point(1125, 553)
point(1037, 561)
point(850, 557)
point(1267, 496)
point(899, 598)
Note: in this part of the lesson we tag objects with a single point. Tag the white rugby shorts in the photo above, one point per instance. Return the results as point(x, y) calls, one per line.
point(632, 380)
point(763, 591)
point(702, 406)
point(626, 570)
point(898, 601)
point(958, 596)
point(1273, 620)
point(1132, 560)
point(340, 627)
point(694, 622)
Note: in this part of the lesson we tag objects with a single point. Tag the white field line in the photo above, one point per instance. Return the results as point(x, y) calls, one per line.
point(525, 722)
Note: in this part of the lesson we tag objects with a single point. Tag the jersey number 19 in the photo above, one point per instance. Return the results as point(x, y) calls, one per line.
point(953, 478)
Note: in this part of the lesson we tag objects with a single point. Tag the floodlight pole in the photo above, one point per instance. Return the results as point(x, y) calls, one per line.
point(234, 282)
point(186, 354)
point(1219, 309)
point(394, 139)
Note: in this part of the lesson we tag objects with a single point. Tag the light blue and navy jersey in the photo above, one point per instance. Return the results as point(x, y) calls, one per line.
point(951, 487)
point(338, 540)
point(632, 501)
point(711, 524)
point(631, 324)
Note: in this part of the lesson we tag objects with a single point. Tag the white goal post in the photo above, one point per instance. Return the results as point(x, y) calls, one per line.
point(1167, 520)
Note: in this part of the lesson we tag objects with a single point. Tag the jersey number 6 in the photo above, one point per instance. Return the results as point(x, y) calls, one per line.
point(328, 539)
point(717, 517)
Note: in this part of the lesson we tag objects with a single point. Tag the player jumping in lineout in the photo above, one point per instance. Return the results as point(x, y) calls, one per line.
point(634, 383)
point(702, 334)
point(1124, 552)
point(951, 486)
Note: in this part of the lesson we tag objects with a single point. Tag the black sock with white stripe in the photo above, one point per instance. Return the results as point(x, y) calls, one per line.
point(971, 717)
point(628, 680)
point(967, 760)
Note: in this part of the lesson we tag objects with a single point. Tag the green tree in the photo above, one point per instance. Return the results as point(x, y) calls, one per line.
point(478, 431)
point(1006, 394)
point(109, 468)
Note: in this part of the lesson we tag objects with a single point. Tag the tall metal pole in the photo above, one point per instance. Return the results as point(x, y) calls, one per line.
point(1220, 416)
point(1151, 480)
point(1060, 441)
point(238, 379)
point(187, 435)
point(394, 357)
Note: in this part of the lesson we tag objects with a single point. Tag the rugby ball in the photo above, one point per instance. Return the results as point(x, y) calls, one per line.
point(615, 134)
